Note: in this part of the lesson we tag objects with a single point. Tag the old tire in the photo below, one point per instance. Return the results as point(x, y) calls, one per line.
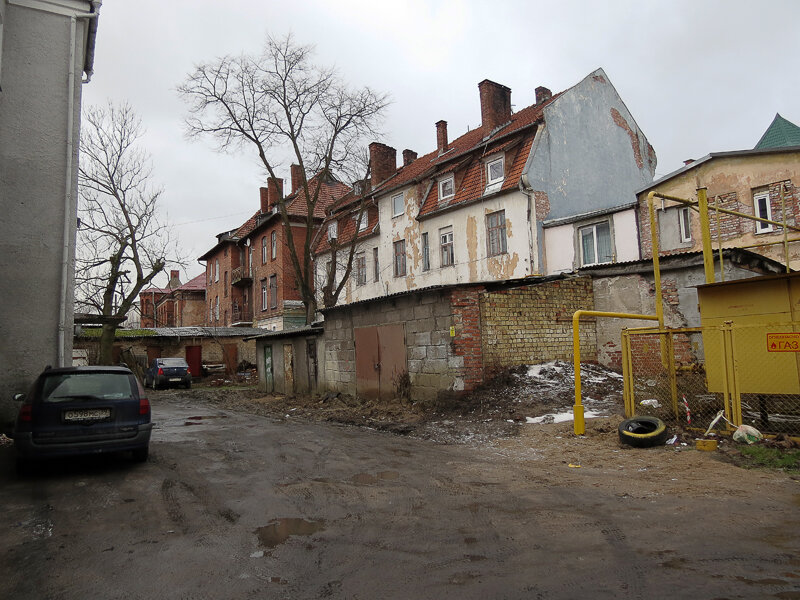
point(643, 432)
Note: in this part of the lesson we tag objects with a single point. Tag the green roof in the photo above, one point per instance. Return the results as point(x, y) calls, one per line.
point(779, 134)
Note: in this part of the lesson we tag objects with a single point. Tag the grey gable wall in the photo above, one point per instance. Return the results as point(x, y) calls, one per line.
point(590, 154)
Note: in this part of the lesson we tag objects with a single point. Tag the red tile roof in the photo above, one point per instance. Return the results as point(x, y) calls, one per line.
point(346, 227)
point(196, 284)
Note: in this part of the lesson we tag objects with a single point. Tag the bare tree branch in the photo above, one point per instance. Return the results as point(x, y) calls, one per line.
point(280, 105)
point(122, 244)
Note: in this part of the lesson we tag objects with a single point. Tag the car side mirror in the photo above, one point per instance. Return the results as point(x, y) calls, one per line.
point(19, 397)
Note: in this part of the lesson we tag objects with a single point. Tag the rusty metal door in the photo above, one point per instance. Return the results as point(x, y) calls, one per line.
point(230, 357)
point(311, 353)
point(194, 357)
point(380, 359)
point(288, 369)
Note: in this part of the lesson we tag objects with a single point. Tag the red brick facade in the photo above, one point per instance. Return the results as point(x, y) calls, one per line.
point(465, 303)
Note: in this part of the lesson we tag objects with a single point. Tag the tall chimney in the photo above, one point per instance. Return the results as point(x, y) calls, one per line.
point(543, 94)
point(409, 156)
point(274, 191)
point(441, 136)
point(382, 162)
point(297, 178)
point(495, 105)
point(264, 197)
point(174, 279)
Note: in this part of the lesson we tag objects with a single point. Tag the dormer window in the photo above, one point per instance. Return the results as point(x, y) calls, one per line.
point(333, 230)
point(361, 221)
point(446, 188)
point(495, 174)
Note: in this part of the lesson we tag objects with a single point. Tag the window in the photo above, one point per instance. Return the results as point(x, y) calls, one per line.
point(216, 272)
point(446, 188)
point(398, 206)
point(330, 273)
point(210, 312)
point(595, 243)
point(225, 284)
point(273, 291)
point(333, 230)
point(496, 233)
point(495, 172)
point(264, 250)
point(216, 308)
point(361, 221)
point(361, 269)
point(400, 258)
point(426, 253)
point(210, 273)
point(274, 244)
point(264, 295)
point(763, 210)
point(446, 240)
point(377, 275)
point(685, 224)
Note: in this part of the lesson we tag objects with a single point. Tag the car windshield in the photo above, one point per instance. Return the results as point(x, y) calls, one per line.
point(75, 386)
point(172, 362)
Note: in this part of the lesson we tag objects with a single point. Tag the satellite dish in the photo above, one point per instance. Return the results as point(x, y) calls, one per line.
point(247, 242)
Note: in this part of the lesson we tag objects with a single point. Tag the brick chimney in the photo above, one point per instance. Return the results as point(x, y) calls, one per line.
point(174, 279)
point(382, 162)
point(264, 200)
point(297, 178)
point(274, 191)
point(495, 105)
point(543, 94)
point(409, 156)
point(441, 136)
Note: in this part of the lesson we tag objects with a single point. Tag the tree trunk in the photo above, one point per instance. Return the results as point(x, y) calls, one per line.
point(106, 355)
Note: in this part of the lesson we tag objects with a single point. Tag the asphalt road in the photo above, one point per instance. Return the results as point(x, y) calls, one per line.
point(236, 506)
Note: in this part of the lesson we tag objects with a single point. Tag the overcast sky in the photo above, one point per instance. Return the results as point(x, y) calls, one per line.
point(697, 76)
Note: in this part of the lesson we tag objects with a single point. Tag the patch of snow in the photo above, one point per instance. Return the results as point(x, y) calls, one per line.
point(561, 417)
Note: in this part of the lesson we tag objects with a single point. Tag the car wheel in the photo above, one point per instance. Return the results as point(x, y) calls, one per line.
point(141, 454)
point(643, 432)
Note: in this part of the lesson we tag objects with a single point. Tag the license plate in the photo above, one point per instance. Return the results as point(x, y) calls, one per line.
point(89, 414)
point(174, 378)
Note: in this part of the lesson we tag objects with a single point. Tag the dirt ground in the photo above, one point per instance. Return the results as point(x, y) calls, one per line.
point(525, 411)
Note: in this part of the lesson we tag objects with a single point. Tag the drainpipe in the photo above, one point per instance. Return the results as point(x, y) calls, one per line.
point(525, 188)
point(68, 192)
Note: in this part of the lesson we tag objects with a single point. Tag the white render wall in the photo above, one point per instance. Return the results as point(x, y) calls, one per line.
point(561, 242)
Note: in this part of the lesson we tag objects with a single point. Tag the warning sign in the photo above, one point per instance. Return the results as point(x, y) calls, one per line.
point(783, 342)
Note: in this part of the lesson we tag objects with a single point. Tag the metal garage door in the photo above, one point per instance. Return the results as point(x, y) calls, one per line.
point(380, 359)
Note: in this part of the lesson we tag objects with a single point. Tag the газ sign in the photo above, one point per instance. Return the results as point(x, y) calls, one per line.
point(783, 342)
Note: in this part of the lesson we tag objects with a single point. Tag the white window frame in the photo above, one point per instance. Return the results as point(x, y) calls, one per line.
point(446, 252)
point(216, 272)
point(685, 224)
point(263, 250)
point(216, 309)
point(763, 227)
point(593, 228)
point(273, 291)
point(496, 161)
point(274, 244)
point(447, 180)
point(360, 221)
point(264, 300)
point(333, 230)
point(377, 273)
point(398, 205)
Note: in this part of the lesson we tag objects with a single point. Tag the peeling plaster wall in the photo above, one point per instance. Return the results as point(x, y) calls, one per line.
point(589, 156)
point(733, 180)
point(469, 247)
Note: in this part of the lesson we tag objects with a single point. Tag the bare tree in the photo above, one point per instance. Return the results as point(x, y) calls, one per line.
point(281, 105)
point(122, 245)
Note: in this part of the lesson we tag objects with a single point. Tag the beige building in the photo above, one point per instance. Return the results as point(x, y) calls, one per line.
point(762, 182)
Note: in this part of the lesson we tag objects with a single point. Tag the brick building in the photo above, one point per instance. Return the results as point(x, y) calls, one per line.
point(177, 305)
point(250, 278)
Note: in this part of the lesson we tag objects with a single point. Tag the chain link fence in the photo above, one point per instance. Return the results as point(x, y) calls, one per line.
point(750, 373)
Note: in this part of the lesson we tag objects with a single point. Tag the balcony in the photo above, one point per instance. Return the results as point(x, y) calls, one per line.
point(241, 315)
point(241, 277)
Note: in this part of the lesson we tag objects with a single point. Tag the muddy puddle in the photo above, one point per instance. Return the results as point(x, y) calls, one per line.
point(277, 532)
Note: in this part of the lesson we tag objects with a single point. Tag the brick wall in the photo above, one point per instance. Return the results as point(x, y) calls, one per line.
point(533, 324)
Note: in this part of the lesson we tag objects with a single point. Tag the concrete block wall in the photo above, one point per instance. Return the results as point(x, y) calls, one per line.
point(533, 324)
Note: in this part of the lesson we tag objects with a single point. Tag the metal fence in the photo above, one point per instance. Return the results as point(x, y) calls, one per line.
point(750, 372)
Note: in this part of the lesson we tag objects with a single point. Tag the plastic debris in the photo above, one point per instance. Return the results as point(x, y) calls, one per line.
point(747, 434)
point(688, 412)
point(672, 440)
point(652, 402)
point(571, 466)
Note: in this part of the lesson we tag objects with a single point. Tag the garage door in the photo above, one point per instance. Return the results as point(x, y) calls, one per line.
point(380, 359)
